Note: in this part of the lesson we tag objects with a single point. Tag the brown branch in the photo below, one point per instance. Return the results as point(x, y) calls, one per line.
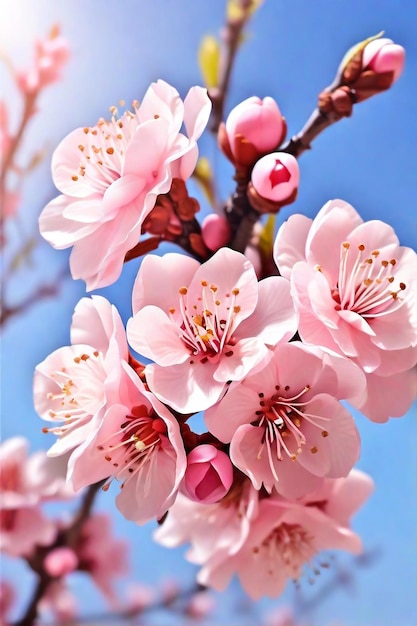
point(231, 37)
point(48, 290)
point(68, 538)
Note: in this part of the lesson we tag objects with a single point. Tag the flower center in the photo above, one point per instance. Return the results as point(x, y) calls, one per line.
point(207, 327)
point(79, 393)
point(104, 147)
point(132, 447)
point(281, 417)
point(366, 285)
point(288, 545)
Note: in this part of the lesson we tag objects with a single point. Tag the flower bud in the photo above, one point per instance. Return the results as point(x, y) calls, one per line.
point(209, 474)
point(275, 179)
point(382, 56)
point(253, 128)
point(371, 67)
point(215, 231)
point(60, 562)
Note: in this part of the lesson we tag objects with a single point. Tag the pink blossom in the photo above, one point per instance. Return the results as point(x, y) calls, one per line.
point(252, 128)
point(209, 474)
point(101, 555)
point(200, 605)
point(60, 562)
point(111, 174)
point(286, 537)
point(276, 177)
point(215, 231)
point(139, 444)
point(26, 482)
point(210, 528)
point(355, 290)
point(75, 384)
point(205, 325)
point(51, 54)
point(383, 55)
point(285, 424)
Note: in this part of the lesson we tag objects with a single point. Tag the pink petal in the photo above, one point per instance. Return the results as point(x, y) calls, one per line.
point(290, 243)
point(197, 109)
point(155, 336)
point(58, 231)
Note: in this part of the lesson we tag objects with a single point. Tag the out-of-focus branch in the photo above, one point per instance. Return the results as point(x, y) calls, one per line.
point(68, 538)
point(231, 36)
point(42, 292)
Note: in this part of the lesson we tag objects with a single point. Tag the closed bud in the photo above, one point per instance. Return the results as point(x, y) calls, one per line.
point(60, 562)
point(371, 67)
point(274, 182)
point(209, 474)
point(215, 231)
point(382, 56)
point(253, 128)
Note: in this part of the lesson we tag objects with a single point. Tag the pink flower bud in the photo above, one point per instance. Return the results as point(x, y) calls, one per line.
point(215, 231)
point(382, 56)
point(276, 177)
point(60, 562)
point(253, 127)
point(209, 474)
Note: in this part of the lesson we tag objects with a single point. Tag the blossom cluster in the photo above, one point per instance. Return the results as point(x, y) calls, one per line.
point(268, 356)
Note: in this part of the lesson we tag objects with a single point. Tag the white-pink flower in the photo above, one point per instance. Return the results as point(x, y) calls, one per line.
point(205, 325)
point(211, 529)
point(110, 175)
point(286, 537)
point(74, 385)
point(286, 427)
point(26, 482)
point(139, 444)
point(355, 290)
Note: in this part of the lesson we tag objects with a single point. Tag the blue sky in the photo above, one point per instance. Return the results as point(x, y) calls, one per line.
point(292, 52)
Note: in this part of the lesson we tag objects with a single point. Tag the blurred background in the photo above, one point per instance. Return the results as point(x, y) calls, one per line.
point(291, 52)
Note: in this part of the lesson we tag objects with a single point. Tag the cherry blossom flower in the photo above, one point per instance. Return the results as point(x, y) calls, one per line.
point(219, 528)
point(286, 536)
point(355, 290)
point(111, 174)
point(26, 482)
point(139, 444)
point(74, 384)
point(51, 54)
point(205, 325)
point(285, 424)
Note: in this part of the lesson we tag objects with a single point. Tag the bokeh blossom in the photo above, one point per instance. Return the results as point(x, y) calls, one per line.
point(111, 174)
point(25, 483)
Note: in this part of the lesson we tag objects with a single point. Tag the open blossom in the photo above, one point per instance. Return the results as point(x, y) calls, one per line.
point(217, 529)
point(355, 290)
point(139, 444)
point(26, 482)
point(74, 384)
point(111, 174)
point(284, 538)
point(205, 325)
point(285, 424)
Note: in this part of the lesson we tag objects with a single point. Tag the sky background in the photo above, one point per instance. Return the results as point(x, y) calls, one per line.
point(292, 52)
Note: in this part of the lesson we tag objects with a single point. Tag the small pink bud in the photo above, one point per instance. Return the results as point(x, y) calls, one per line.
point(382, 56)
point(60, 562)
point(215, 231)
point(253, 127)
point(209, 474)
point(276, 177)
